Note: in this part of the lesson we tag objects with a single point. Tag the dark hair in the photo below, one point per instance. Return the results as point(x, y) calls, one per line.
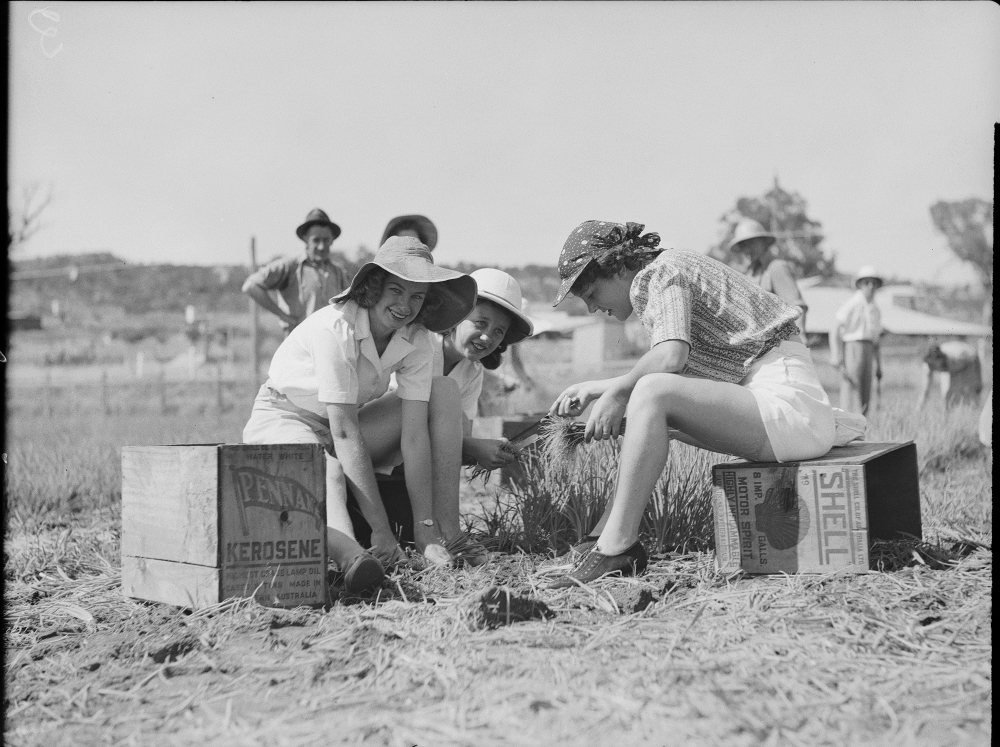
point(432, 302)
point(369, 290)
point(612, 263)
point(494, 359)
point(936, 359)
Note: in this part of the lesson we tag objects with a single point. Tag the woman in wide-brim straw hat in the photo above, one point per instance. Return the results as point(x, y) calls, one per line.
point(337, 361)
point(462, 354)
point(725, 371)
point(855, 348)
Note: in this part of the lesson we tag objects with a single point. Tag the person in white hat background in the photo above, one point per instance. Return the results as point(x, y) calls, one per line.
point(304, 282)
point(462, 355)
point(325, 381)
point(956, 366)
point(774, 275)
point(854, 342)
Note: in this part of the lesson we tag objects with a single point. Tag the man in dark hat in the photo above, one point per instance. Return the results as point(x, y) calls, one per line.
point(304, 283)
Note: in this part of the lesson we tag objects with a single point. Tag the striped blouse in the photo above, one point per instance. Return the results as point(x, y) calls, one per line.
point(725, 317)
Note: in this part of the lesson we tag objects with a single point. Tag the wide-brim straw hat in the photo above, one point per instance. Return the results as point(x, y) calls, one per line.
point(426, 230)
point(749, 229)
point(500, 288)
point(868, 272)
point(317, 217)
point(407, 258)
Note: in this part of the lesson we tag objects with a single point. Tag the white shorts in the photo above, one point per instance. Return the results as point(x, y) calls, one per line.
point(275, 420)
point(796, 411)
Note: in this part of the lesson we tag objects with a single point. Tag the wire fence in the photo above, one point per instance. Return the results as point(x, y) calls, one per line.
point(109, 395)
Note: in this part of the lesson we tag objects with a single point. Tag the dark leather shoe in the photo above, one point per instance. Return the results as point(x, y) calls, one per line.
point(595, 565)
point(365, 574)
point(576, 552)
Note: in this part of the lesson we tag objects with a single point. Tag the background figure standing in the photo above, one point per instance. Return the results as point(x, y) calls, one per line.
point(417, 226)
point(305, 282)
point(772, 274)
point(956, 365)
point(854, 342)
point(986, 422)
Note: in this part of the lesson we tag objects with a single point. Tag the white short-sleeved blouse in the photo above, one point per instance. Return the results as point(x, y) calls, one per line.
point(330, 358)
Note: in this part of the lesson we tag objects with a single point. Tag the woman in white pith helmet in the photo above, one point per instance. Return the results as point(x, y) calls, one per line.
point(464, 351)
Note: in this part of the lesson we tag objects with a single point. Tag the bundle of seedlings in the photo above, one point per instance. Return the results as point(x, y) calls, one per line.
point(562, 438)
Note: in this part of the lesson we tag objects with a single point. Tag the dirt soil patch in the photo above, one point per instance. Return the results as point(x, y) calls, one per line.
point(490, 657)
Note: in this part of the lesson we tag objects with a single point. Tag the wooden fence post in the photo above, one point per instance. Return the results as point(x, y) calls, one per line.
point(254, 342)
point(104, 392)
point(163, 391)
point(219, 401)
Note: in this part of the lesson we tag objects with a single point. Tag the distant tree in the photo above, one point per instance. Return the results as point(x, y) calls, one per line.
point(24, 220)
point(783, 214)
point(968, 227)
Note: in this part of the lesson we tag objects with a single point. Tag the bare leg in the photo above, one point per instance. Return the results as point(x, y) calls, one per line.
point(446, 432)
point(381, 426)
point(724, 417)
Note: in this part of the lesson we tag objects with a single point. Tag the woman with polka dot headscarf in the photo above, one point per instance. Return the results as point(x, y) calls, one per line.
point(726, 371)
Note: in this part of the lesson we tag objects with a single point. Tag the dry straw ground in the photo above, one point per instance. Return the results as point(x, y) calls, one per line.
point(680, 656)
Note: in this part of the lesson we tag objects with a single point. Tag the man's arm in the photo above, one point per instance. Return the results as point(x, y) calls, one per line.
point(273, 276)
point(263, 299)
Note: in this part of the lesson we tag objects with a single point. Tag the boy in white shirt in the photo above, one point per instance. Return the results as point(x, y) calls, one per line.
point(854, 342)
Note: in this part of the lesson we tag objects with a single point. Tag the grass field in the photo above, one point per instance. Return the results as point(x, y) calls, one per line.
point(679, 656)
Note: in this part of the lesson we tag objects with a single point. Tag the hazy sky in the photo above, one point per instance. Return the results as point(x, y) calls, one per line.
point(172, 132)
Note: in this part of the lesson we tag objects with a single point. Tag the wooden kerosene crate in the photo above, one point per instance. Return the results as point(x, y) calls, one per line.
point(203, 523)
point(815, 516)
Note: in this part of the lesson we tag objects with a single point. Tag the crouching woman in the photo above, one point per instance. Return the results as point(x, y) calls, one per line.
point(725, 372)
point(336, 362)
point(462, 355)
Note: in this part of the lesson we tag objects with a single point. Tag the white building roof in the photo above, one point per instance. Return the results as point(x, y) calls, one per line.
point(892, 301)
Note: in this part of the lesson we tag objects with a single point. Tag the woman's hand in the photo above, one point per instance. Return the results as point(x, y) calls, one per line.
point(606, 418)
point(387, 549)
point(575, 399)
point(491, 453)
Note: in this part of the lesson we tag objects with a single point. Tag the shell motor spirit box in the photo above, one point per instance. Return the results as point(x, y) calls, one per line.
point(203, 523)
point(815, 516)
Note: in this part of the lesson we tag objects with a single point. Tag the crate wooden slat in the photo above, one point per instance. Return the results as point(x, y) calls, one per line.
point(202, 523)
point(181, 584)
point(169, 506)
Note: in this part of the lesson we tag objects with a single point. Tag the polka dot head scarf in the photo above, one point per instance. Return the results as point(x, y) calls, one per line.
point(596, 239)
